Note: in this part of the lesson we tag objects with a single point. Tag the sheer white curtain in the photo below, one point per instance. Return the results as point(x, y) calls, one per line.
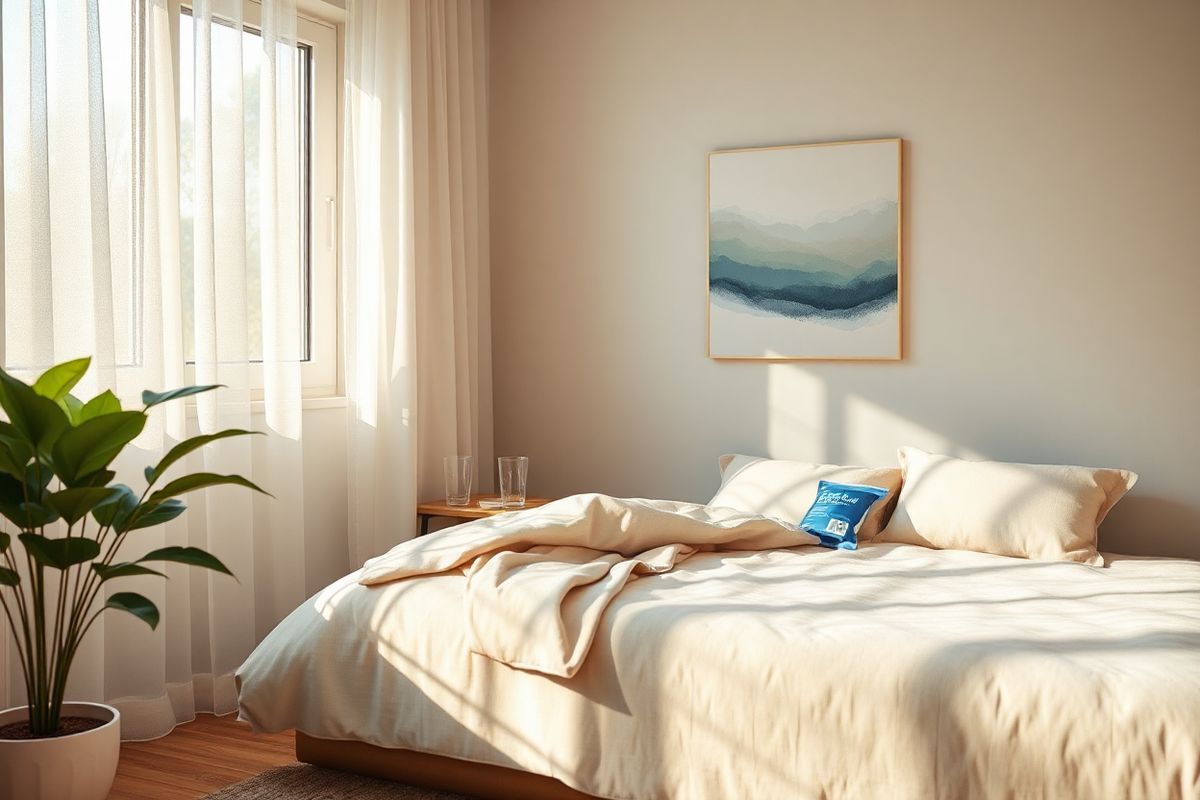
point(415, 257)
point(151, 219)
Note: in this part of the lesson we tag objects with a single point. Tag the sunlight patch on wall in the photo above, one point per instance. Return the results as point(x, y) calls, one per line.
point(873, 433)
point(810, 418)
point(796, 414)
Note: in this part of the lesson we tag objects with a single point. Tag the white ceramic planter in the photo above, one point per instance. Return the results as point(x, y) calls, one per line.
point(76, 767)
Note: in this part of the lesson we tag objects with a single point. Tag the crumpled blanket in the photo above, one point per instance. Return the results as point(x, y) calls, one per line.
point(539, 580)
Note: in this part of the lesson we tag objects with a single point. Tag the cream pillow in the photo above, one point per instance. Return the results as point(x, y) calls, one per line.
point(787, 489)
point(1045, 513)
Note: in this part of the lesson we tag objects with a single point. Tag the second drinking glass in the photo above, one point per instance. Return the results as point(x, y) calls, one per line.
point(513, 472)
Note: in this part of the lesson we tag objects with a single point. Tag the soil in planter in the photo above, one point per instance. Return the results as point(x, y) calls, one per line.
point(66, 727)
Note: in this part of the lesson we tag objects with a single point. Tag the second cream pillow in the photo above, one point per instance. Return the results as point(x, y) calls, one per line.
point(1035, 511)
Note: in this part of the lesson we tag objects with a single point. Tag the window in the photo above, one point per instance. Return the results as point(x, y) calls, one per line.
point(316, 166)
point(49, 176)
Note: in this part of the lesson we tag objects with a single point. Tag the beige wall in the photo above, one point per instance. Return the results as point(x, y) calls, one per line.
point(1053, 216)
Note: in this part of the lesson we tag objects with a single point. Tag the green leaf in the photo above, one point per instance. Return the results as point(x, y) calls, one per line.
point(60, 553)
point(15, 515)
point(154, 398)
point(35, 515)
point(94, 443)
point(117, 510)
point(12, 499)
point(201, 480)
point(135, 604)
point(100, 478)
point(9, 465)
point(8, 577)
point(149, 514)
point(187, 555)
point(8, 431)
point(74, 504)
point(104, 403)
point(15, 452)
point(123, 570)
point(55, 382)
point(72, 406)
point(11, 496)
point(188, 445)
point(77, 411)
point(38, 420)
point(5, 541)
point(37, 478)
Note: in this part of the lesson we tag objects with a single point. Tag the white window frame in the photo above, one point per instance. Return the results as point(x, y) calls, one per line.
point(318, 26)
point(321, 374)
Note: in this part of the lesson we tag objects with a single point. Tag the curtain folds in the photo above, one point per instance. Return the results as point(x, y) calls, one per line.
point(415, 258)
point(152, 221)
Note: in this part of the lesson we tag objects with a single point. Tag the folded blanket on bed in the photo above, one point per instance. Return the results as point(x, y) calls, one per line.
point(539, 580)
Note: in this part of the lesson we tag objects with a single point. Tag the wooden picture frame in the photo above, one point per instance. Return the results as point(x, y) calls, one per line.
point(805, 252)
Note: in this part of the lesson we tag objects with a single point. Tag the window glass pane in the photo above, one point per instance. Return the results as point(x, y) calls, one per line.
point(226, 43)
point(71, 260)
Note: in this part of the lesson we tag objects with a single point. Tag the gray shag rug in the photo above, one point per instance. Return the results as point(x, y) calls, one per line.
point(305, 782)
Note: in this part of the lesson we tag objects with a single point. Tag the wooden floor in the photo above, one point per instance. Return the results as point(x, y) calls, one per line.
point(198, 758)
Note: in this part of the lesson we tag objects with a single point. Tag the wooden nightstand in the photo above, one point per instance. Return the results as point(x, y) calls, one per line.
point(439, 508)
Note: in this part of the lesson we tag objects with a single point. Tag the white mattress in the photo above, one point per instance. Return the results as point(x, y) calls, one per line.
point(894, 671)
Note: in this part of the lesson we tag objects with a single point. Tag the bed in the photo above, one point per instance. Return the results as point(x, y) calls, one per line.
point(891, 671)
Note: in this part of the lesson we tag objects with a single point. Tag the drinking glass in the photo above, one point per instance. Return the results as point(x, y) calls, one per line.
point(458, 471)
point(513, 472)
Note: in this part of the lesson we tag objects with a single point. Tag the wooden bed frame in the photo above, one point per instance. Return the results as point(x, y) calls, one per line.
point(485, 781)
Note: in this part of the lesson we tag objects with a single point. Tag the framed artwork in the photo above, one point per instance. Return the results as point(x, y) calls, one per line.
point(804, 251)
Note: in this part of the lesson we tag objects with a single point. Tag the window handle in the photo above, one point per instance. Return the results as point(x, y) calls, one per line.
point(332, 222)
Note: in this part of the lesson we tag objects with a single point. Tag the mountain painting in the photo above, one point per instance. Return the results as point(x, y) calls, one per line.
point(804, 252)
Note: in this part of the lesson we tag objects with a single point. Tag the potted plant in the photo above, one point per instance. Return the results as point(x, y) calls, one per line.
point(63, 531)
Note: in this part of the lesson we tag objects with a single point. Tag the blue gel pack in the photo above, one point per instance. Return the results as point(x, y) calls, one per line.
point(838, 513)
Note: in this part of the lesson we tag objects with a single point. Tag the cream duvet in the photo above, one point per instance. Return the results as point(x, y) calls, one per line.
point(538, 582)
point(892, 672)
